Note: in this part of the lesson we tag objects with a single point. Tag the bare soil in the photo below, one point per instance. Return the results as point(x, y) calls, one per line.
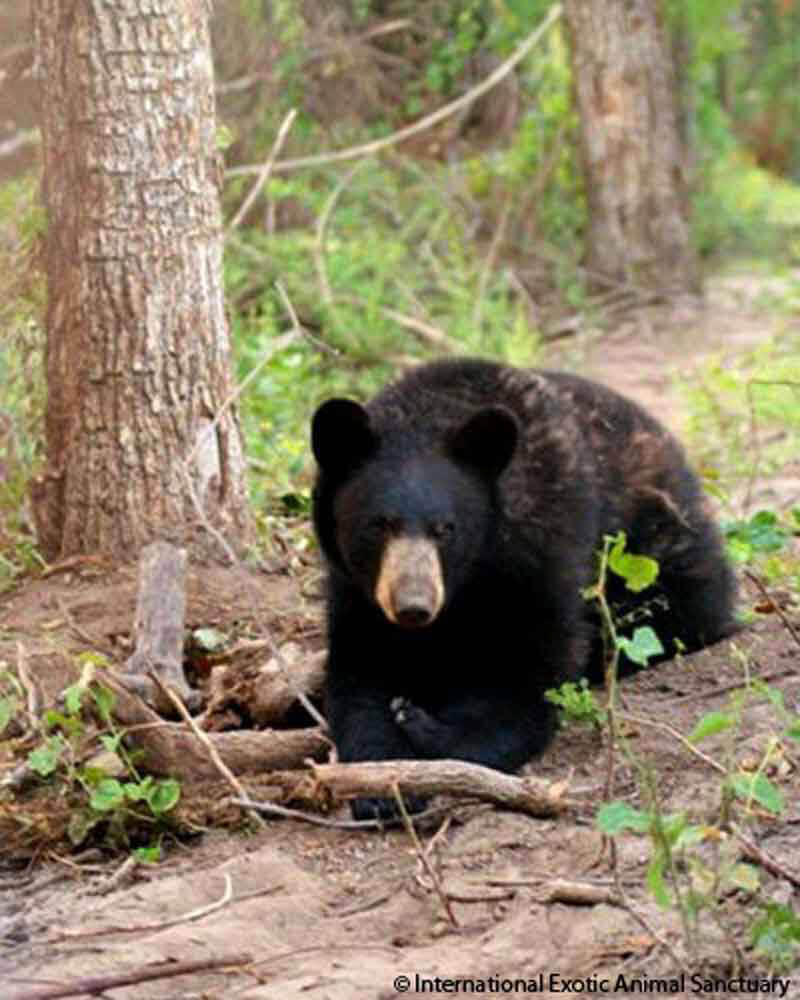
point(339, 914)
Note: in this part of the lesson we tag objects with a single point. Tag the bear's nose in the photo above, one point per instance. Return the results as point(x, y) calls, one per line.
point(413, 615)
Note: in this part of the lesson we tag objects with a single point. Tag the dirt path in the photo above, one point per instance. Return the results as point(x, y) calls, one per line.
point(343, 915)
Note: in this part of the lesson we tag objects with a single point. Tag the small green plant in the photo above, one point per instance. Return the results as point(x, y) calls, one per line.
point(765, 532)
point(694, 865)
point(639, 573)
point(577, 703)
point(110, 790)
point(775, 936)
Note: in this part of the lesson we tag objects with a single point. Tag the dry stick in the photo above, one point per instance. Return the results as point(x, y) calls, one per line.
point(446, 777)
point(34, 698)
point(322, 225)
point(272, 808)
point(755, 853)
point(278, 344)
point(425, 330)
point(356, 152)
point(264, 172)
point(196, 914)
point(92, 641)
point(303, 331)
point(425, 861)
point(125, 870)
point(491, 258)
point(98, 985)
point(755, 579)
point(677, 735)
point(205, 739)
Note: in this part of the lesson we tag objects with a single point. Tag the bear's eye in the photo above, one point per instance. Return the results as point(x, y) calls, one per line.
point(441, 530)
point(385, 525)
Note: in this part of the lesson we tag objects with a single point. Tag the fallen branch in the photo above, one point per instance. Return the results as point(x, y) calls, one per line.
point(99, 985)
point(755, 853)
point(534, 796)
point(208, 743)
point(579, 893)
point(172, 749)
point(756, 580)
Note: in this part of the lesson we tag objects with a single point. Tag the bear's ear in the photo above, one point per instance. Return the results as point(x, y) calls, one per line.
point(486, 441)
point(341, 437)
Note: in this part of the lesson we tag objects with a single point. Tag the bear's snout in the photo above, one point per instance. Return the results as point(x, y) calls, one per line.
point(410, 588)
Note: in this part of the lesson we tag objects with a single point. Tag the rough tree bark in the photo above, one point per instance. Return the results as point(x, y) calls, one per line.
point(633, 159)
point(137, 351)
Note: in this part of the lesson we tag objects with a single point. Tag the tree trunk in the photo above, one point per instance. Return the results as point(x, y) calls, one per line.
point(137, 350)
point(634, 168)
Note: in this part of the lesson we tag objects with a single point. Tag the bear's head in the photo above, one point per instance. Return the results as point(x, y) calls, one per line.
point(406, 521)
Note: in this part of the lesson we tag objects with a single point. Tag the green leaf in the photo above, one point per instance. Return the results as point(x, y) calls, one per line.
point(614, 817)
point(45, 759)
point(763, 532)
point(72, 698)
point(104, 700)
point(148, 855)
point(8, 709)
point(638, 572)
point(710, 725)
point(745, 877)
point(108, 794)
point(776, 935)
point(137, 791)
point(164, 795)
point(111, 741)
point(209, 639)
point(793, 732)
point(655, 879)
point(642, 646)
point(760, 789)
point(80, 823)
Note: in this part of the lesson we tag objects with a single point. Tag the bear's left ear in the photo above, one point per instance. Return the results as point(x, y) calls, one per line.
point(341, 437)
point(486, 441)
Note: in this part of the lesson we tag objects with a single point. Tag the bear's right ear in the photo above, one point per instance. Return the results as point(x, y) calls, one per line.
point(486, 442)
point(341, 437)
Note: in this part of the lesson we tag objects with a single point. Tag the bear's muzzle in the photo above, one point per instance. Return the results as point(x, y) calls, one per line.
point(410, 587)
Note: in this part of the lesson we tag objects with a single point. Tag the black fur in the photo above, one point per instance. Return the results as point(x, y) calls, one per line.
point(517, 475)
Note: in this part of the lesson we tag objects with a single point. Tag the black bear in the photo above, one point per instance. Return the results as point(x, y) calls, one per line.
point(460, 513)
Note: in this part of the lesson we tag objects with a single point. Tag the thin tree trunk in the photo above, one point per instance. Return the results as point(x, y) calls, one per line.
point(138, 355)
point(633, 160)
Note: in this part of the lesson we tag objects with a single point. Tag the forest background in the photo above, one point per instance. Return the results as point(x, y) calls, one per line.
point(468, 236)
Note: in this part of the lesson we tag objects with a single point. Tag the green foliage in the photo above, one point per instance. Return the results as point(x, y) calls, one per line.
point(744, 426)
point(577, 703)
point(764, 532)
point(775, 936)
point(21, 382)
point(617, 817)
point(392, 232)
point(711, 724)
point(115, 803)
point(638, 572)
point(643, 645)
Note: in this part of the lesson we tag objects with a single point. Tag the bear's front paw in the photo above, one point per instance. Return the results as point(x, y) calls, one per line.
point(386, 809)
point(421, 728)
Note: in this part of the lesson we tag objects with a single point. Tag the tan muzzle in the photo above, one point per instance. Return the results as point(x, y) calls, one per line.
point(410, 588)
